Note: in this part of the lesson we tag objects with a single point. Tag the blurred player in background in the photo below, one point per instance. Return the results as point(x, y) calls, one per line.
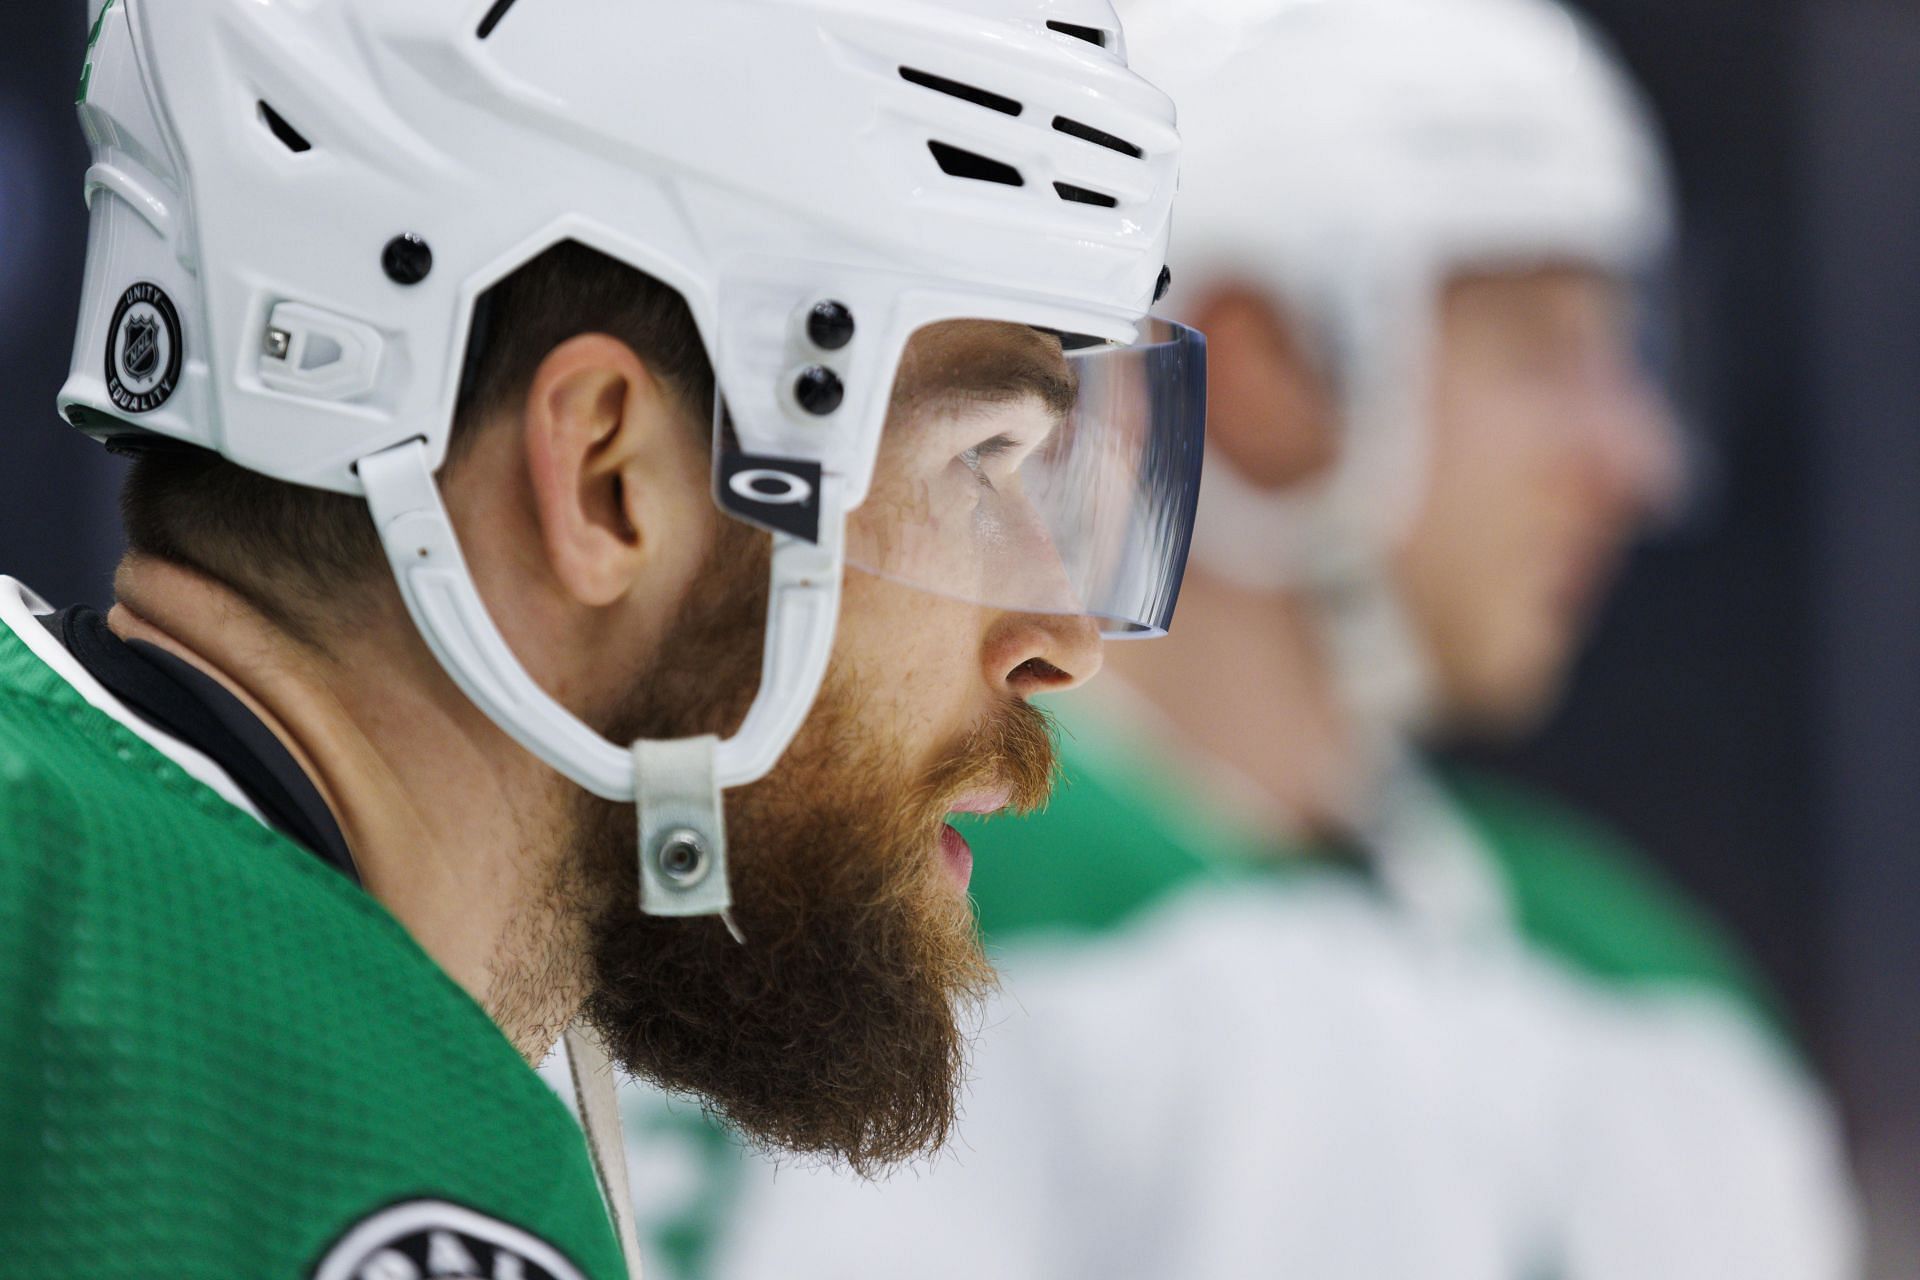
point(1283, 999)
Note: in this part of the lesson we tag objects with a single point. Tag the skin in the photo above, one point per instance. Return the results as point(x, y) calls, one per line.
point(586, 518)
point(1549, 451)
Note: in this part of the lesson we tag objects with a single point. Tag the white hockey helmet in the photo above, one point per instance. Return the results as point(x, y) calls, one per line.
point(297, 204)
point(1347, 157)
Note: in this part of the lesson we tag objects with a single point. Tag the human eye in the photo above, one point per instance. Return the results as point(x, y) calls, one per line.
point(978, 458)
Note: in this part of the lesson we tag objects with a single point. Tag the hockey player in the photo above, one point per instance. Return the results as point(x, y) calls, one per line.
point(511, 388)
point(1281, 999)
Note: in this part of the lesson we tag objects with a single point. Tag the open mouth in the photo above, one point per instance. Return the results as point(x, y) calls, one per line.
point(957, 856)
point(955, 852)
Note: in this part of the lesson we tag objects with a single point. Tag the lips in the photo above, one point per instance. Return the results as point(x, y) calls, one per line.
point(957, 855)
point(955, 852)
point(977, 802)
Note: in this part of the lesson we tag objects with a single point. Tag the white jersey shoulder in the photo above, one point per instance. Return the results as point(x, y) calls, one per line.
point(1289, 1083)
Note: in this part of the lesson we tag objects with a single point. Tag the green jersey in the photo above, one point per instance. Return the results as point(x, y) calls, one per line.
point(1121, 836)
point(222, 1059)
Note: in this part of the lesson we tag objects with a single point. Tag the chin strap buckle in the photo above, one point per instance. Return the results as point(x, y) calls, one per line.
point(683, 838)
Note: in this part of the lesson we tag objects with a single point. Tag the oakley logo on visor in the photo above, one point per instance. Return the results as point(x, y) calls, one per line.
point(782, 494)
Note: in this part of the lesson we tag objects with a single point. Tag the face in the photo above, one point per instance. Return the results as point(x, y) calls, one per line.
point(1549, 449)
point(835, 1029)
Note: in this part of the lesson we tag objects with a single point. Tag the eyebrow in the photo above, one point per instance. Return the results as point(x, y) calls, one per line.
point(999, 374)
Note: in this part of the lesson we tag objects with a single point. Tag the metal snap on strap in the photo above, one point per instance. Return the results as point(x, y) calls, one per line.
point(683, 848)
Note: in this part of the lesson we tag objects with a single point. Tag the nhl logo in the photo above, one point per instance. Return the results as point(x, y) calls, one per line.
point(144, 350)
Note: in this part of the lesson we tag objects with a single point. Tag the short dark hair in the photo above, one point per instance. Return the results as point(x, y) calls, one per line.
point(298, 554)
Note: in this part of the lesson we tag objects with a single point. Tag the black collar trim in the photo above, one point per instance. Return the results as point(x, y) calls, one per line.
point(184, 702)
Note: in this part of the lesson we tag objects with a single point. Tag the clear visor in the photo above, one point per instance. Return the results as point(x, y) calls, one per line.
point(1019, 472)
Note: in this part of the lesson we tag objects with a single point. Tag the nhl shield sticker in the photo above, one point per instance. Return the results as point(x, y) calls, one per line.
point(144, 350)
point(435, 1240)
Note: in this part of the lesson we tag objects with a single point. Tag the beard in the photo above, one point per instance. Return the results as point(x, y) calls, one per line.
point(837, 1030)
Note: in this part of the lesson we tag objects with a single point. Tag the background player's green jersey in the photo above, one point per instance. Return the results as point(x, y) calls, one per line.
point(221, 1059)
point(1121, 836)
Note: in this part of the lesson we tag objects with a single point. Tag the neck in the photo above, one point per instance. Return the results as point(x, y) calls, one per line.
point(452, 827)
point(1245, 680)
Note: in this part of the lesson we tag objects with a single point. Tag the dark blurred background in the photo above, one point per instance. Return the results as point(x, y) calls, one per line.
point(1751, 709)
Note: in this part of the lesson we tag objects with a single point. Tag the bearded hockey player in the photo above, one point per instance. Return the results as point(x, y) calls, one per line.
point(510, 389)
point(1281, 999)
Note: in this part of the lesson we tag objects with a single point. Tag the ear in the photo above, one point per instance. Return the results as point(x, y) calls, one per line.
point(613, 465)
point(1269, 411)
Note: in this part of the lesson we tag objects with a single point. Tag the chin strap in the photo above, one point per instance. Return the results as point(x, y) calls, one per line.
point(683, 838)
point(594, 1091)
point(675, 785)
point(438, 588)
point(1430, 860)
point(1383, 675)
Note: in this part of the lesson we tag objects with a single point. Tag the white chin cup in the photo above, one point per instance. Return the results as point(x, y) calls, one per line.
point(1380, 663)
point(677, 786)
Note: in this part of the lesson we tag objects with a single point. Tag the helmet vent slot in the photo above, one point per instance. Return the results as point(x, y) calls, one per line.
point(1098, 137)
point(291, 138)
point(965, 92)
point(957, 163)
point(1080, 195)
point(1092, 35)
point(492, 20)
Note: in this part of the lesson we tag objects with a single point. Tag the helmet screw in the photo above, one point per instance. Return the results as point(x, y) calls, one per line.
point(830, 325)
point(408, 259)
point(819, 390)
point(1166, 283)
point(683, 857)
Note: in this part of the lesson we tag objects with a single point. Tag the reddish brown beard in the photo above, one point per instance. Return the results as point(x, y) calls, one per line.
point(836, 1030)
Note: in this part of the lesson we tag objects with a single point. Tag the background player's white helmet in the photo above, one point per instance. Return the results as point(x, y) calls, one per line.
point(1348, 157)
point(296, 206)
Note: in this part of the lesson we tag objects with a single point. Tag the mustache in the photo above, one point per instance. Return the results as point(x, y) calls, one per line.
point(1014, 747)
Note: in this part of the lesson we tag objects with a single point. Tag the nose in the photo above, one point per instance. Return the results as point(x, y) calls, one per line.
point(1026, 654)
point(1637, 452)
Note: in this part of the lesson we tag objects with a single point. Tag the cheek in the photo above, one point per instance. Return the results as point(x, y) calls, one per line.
point(914, 656)
point(1495, 469)
point(1480, 557)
